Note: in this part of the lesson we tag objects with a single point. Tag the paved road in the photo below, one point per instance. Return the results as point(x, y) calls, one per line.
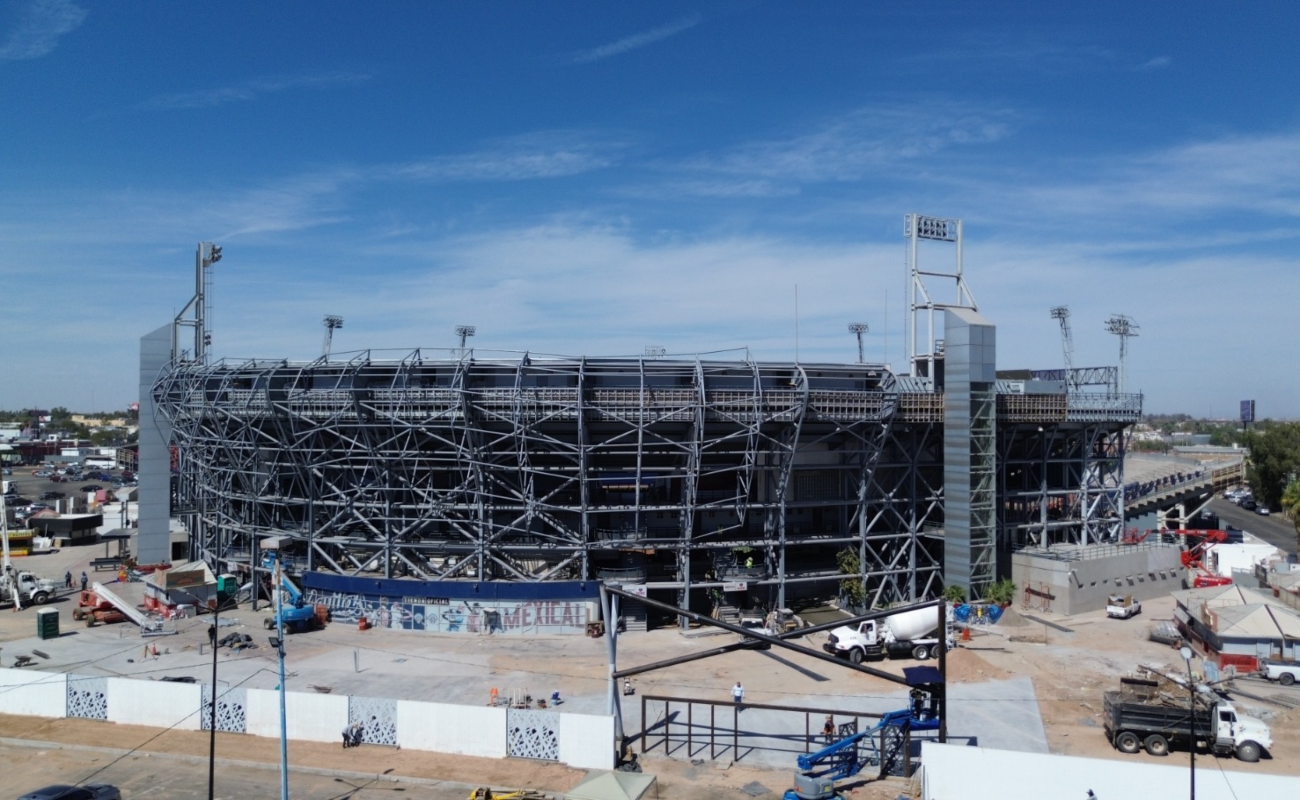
point(140, 775)
point(1276, 530)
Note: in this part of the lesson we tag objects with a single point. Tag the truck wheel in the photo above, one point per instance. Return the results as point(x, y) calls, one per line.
point(40, 598)
point(268, 623)
point(920, 652)
point(935, 650)
point(1249, 752)
point(1286, 679)
point(1128, 742)
point(76, 614)
point(1157, 745)
point(855, 655)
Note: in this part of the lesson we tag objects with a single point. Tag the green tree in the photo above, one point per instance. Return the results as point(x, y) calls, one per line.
point(851, 588)
point(1274, 460)
point(954, 594)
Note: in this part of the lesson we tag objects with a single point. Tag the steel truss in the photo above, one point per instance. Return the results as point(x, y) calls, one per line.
point(1061, 475)
point(683, 475)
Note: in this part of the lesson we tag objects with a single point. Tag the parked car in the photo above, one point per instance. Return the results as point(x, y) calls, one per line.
point(52, 495)
point(42, 473)
point(1261, 510)
point(91, 487)
point(91, 791)
point(1247, 504)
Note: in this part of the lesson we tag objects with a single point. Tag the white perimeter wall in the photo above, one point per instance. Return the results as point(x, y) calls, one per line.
point(308, 717)
point(445, 728)
point(42, 694)
point(956, 772)
point(160, 704)
point(586, 740)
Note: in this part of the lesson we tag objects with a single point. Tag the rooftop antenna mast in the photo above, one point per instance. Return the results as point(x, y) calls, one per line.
point(1062, 314)
point(464, 332)
point(1125, 328)
point(332, 323)
point(859, 328)
point(205, 256)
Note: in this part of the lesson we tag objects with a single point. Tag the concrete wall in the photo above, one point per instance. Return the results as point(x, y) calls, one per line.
point(43, 694)
point(585, 740)
point(308, 717)
point(1083, 584)
point(159, 704)
point(445, 728)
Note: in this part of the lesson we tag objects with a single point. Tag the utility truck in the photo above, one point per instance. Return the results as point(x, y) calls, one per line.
point(24, 588)
point(1284, 672)
point(1139, 716)
point(910, 632)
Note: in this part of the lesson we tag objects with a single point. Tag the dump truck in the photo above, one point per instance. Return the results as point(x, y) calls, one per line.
point(1139, 716)
point(910, 632)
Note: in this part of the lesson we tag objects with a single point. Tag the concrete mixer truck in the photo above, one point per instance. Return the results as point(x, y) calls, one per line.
point(910, 632)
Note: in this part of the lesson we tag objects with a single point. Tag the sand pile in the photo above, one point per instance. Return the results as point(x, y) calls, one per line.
point(965, 666)
point(1011, 618)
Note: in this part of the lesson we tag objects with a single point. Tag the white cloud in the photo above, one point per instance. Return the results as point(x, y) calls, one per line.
point(863, 142)
point(1159, 62)
point(254, 89)
point(40, 25)
point(545, 154)
point(639, 40)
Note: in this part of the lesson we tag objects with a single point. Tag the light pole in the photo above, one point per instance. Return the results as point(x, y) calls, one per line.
point(464, 332)
point(858, 328)
point(1186, 653)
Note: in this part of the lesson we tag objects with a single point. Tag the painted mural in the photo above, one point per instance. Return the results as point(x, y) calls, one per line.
point(439, 615)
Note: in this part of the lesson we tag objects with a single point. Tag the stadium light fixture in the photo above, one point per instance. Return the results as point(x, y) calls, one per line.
point(859, 328)
point(464, 332)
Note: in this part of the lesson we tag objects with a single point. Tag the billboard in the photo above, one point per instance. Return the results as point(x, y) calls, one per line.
point(1247, 410)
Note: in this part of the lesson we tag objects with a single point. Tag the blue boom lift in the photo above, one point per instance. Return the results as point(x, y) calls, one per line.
point(294, 612)
point(846, 757)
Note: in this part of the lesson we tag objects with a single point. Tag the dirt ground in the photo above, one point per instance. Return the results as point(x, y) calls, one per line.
point(1070, 671)
point(677, 779)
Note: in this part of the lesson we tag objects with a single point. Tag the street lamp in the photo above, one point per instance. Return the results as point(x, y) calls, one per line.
point(1186, 653)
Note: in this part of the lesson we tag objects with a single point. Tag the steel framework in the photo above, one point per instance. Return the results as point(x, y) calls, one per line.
point(682, 474)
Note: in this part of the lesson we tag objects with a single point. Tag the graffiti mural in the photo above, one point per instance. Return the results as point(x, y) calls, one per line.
point(441, 615)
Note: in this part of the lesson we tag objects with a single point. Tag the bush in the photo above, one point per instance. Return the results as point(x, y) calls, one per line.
point(955, 594)
point(1003, 592)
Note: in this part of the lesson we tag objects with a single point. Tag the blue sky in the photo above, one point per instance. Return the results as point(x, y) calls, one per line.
point(592, 178)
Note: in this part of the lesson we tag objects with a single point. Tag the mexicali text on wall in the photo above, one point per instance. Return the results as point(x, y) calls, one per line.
point(438, 615)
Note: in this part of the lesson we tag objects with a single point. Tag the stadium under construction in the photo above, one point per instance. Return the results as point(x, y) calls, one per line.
point(441, 476)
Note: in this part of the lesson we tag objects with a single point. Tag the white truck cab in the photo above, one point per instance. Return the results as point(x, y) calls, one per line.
point(1240, 733)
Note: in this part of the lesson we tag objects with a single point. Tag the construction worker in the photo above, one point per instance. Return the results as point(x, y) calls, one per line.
point(84, 580)
point(738, 693)
point(828, 730)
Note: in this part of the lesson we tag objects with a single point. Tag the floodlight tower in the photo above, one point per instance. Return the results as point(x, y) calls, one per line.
point(923, 304)
point(1125, 328)
point(332, 323)
point(859, 328)
point(655, 351)
point(1062, 313)
point(464, 332)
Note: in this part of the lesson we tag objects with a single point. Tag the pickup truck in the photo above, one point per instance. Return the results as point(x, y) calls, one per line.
point(1122, 606)
point(1284, 672)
